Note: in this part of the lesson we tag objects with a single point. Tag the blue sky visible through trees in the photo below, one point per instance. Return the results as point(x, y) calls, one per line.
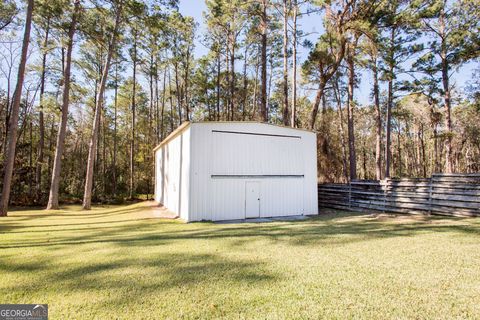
point(311, 25)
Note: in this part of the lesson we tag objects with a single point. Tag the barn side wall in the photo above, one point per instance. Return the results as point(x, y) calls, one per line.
point(288, 182)
point(172, 174)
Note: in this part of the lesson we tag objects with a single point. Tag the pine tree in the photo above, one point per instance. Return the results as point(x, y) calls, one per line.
point(13, 125)
point(57, 163)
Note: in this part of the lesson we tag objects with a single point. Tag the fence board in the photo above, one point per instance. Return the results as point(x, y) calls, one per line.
point(445, 194)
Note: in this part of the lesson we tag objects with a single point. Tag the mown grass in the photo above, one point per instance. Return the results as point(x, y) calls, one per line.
point(121, 263)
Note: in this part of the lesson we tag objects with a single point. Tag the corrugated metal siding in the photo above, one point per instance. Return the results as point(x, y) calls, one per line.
point(172, 174)
point(215, 153)
point(278, 197)
point(241, 154)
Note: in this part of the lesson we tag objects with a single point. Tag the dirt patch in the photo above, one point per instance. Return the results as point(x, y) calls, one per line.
point(159, 211)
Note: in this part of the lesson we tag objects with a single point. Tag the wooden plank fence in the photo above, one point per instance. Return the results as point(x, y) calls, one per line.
point(447, 194)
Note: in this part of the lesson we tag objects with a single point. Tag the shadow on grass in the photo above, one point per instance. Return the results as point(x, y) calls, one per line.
point(144, 258)
point(342, 228)
point(78, 213)
point(150, 275)
point(47, 219)
point(68, 227)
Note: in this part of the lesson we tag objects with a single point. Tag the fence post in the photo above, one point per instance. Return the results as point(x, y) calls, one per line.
point(430, 193)
point(350, 195)
point(384, 190)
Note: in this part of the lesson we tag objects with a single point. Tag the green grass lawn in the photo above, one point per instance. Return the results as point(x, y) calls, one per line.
point(121, 262)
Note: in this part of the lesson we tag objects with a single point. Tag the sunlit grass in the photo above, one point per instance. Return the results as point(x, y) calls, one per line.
point(121, 262)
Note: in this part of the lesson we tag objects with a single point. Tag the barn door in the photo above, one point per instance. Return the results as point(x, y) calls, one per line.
point(252, 199)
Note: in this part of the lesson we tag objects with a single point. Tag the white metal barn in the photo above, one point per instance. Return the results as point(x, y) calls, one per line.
point(237, 170)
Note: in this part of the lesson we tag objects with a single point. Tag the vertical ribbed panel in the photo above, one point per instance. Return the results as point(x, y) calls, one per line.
point(215, 153)
point(172, 174)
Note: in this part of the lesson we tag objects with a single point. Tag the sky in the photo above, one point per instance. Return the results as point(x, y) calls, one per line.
point(311, 25)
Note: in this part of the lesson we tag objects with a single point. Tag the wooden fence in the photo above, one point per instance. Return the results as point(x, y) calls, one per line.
point(447, 194)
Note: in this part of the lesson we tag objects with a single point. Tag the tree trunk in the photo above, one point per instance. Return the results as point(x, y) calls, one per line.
point(187, 72)
point(171, 100)
point(399, 150)
point(92, 147)
point(157, 103)
point(30, 156)
point(57, 162)
point(115, 114)
point(41, 121)
point(286, 111)
point(436, 162)
point(423, 159)
point(104, 153)
point(151, 111)
point(324, 77)
point(263, 94)
point(177, 93)
point(99, 70)
point(446, 97)
point(378, 142)
point(316, 104)
point(255, 90)
point(24, 113)
point(270, 79)
point(388, 143)
point(364, 157)
point(350, 117)
point(132, 130)
point(162, 117)
point(233, 82)
point(226, 104)
point(150, 122)
point(13, 125)
point(245, 83)
point(50, 147)
point(342, 130)
point(294, 66)
point(409, 150)
point(218, 87)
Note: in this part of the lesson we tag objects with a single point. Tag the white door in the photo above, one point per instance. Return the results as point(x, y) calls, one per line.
point(252, 199)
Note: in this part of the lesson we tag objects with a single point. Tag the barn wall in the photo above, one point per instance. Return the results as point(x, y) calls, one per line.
point(172, 174)
point(222, 162)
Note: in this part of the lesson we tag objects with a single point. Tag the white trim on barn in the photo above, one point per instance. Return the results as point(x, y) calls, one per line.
point(236, 170)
